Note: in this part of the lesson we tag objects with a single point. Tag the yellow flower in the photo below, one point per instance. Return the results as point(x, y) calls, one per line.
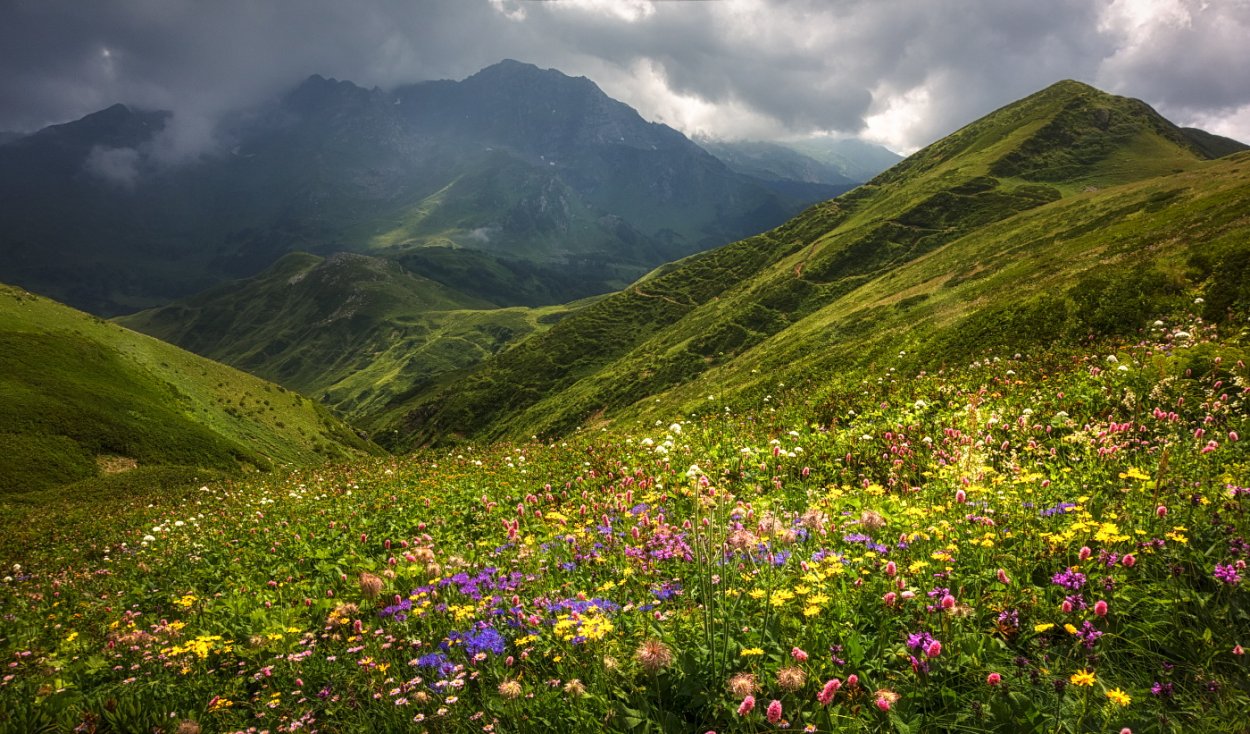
point(811, 611)
point(1120, 697)
point(1082, 678)
point(1043, 626)
point(1071, 630)
point(751, 652)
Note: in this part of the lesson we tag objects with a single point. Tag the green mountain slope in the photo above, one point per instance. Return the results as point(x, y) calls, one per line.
point(356, 332)
point(81, 397)
point(1042, 164)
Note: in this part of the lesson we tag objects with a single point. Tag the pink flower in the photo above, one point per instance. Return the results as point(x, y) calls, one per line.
point(798, 654)
point(774, 711)
point(1100, 608)
point(993, 679)
point(1237, 650)
point(1161, 511)
point(1128, 560)
point(948, 602)
point(852, 680)
point(746, 706)
point(825, 697)
point(889, 598)
point(891, 569)
point(961, 496)
point(1066, 606)
point(1084, 553)
point(1002, 577)
point(934, 649)
point(883, 703)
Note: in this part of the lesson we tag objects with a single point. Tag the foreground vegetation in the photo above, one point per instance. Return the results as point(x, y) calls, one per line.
point(1045, 542)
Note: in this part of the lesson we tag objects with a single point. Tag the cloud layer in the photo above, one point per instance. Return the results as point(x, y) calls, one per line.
point(898, 72)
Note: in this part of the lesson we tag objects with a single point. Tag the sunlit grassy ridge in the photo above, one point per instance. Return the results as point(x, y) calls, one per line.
point(1025, 193)
point(1069, 528)
point(84, 397)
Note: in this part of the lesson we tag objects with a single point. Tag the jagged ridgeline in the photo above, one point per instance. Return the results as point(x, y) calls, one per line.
point(1067, 213)
point(85, 399)
point(512, 169)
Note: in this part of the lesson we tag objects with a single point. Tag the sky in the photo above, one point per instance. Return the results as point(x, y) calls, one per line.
point(901, 73)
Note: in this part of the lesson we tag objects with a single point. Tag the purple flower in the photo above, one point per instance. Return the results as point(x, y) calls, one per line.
point(1069, 578)
point(1089, 634)
point(1228, 574)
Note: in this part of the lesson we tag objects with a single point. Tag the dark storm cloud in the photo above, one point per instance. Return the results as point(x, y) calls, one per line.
point(898, 71)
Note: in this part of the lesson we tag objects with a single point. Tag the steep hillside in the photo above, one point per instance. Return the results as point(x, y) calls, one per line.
point(354, 331)
point(519, 163)
point(1058, 165)
point(83, 397)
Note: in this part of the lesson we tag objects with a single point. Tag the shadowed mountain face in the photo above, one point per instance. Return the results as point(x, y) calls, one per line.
point(518, 164)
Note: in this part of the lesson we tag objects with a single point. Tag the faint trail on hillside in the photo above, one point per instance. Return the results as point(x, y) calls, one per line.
point(638, 291)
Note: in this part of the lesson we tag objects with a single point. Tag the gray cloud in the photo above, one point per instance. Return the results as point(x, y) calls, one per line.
point(896, 71)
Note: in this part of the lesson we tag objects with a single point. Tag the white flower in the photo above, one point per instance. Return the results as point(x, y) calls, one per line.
point(694, 472)
point(675, 428)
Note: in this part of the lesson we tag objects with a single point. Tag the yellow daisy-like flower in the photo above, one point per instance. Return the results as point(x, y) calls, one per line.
point(1120, 697)
point(1043, 626)
point(1082, 678)
point(751, 652)
point(1072, 630)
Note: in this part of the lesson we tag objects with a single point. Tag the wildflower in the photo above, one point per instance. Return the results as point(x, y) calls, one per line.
point(872, 520)
point(961, 496)
point(654, 655)
point(751, 652)
point(791, 678)
point(1100, 608)
point(948, 602)
point(993, 679)
point(825, 697)
point(885, 699)
point(1128, 560)
point(748, 703)
point(798, 654)
point(1003, 578)
point(1084, 553)
point(1120, 697)
point(1161, 511)
point(1238, 651)
point(774, 711)
point(510, 689)
point(370, 585)
point(934, 649)
point(743, 684)
point(891, 569)
point(1227, 574)
point(1082, 678)
point(1042, 627)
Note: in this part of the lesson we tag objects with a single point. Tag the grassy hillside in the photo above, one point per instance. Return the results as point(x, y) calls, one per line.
point(81, 398)
point(1051, 543)
point(355, 332)
point(1051, 171)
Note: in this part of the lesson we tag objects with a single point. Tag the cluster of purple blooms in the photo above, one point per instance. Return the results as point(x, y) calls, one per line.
point(1069, 578)
point(1227, 574)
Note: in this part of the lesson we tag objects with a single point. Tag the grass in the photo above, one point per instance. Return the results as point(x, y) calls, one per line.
point(83, 395)
point(979, 220)
point(807, 548)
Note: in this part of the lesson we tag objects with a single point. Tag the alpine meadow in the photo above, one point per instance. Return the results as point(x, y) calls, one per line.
point(494, 406)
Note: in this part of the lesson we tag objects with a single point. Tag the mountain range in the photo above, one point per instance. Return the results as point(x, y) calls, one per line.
point(513, 168)
point(1069, 215)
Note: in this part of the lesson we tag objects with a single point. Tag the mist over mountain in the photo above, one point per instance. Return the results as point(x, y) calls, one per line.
point(115, 212)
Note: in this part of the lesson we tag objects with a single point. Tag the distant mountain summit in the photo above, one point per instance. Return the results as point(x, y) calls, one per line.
point(515, 164)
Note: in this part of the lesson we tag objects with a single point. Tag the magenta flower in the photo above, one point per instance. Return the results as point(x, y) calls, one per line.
point(746, 706)
point(774, 711)
point(993, 679)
